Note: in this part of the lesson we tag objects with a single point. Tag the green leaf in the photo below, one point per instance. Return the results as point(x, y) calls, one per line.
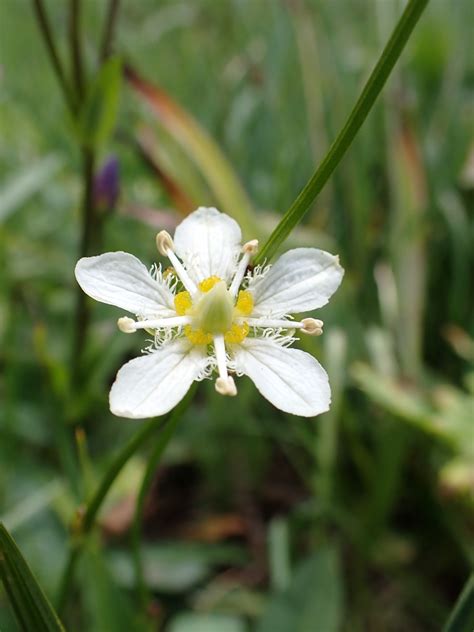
point(174, 567)
point(26, 183)
point(106, 605)
point(206, 623)
point(201, 148)
point(343, 141)
point(30, 604)
point(99, 113)
point(461, 618)
point(313, 600)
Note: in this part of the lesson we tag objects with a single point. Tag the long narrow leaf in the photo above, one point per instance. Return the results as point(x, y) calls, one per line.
point(30, 604)
point(26, 183)
point(99, 113)
point(372, 89)
point(200, 148)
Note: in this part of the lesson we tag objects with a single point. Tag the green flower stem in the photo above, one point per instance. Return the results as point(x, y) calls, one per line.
point(86, 518)
point(109, 27)
point(45, 29)
point(152, 465)
point(372, 89)
point(75, 47)
point(89, 238)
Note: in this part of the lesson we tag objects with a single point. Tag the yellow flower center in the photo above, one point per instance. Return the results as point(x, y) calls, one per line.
point(182, 303)
point(214, 312)
point(209, 283)
point(244, 303)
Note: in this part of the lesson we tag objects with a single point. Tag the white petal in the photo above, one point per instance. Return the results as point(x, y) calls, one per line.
point(120, 279)
point(153, 384)
point(292, 380)
point(301, 280)
point(208, 242)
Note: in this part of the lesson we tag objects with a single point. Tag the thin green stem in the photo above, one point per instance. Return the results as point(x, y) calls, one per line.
point(372, 89)
point(75, 47)
point(46, 32)
point(89, 237)
point(86, 520)
point(109, 27)
point(152, 465)
point(461, 618)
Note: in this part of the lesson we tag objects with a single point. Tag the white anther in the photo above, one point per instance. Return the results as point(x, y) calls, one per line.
point(127, 325)
point(248, 249)
point(251, 247)
point(312, 326)
point(165, 246)
point(164, 243)
point(226, 386)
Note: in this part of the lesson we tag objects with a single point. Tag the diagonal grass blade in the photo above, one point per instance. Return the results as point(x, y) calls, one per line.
point(30, 604)
point(372, 89)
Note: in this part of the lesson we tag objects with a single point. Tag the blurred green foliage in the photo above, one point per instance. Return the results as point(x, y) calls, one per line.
point(362, 517)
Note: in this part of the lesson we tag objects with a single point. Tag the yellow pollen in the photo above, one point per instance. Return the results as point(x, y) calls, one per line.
point(182, 302)
point(244, 303)
point(197, 336)
point(236, 333)
point(209, 283)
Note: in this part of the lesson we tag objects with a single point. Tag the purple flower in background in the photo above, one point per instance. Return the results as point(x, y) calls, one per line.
point(107, 185)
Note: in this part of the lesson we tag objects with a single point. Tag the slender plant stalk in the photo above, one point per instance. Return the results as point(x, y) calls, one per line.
point(46, 32)
point(75, 46)
point(86, 519)
point(89, 237)
point(461, 618)
point(109, 28)
point(152, 465)
point(372, 89)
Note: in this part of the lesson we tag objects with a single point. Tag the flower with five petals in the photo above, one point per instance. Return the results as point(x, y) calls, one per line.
point(210, 313)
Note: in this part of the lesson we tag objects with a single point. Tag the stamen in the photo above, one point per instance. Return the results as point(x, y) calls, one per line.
point(164, 242)
point(129, 326)
point(126, 324)
point(165, 246)
point(310, 326)
point(249, 249)
point(225, 384)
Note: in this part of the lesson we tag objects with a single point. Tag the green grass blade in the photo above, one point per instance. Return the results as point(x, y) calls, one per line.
point(372, 89)
point(30, 604)
point(100, 109)
point(461, 618)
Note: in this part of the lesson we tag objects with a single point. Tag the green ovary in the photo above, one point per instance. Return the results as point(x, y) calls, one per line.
point(213, 314)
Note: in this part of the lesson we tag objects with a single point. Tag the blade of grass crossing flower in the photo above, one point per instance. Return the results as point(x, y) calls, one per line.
point(461, 618)
point(359, 113)
point(30, 604)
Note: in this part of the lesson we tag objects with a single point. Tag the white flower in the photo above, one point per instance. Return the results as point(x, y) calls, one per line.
point(210, 314)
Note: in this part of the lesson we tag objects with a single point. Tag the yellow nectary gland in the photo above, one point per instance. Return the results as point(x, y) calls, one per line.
point(182, 303)
point(236, 334)
point(209, 283)
point(244, 303)
point(197, 336)
point(213, 313)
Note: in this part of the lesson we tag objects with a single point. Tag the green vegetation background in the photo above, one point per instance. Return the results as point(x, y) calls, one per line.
point(361, 519)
